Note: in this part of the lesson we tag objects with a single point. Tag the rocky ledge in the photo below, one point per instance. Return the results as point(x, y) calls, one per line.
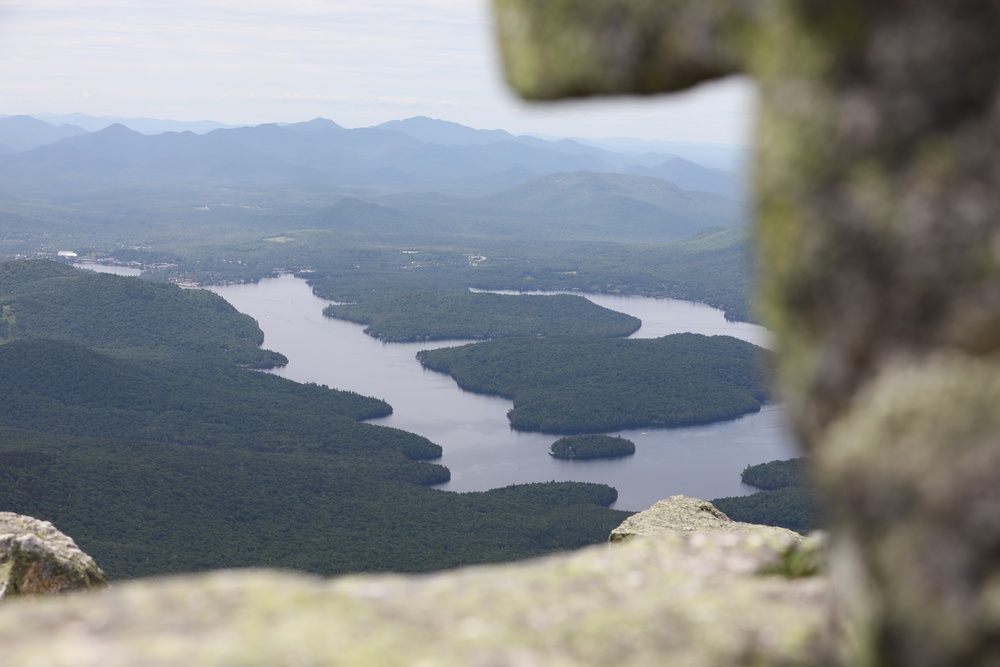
point(36, 558)
point(665, 596)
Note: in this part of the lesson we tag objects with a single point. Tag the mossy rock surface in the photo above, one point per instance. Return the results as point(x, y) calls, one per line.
point(676, 598)
point(690, 515)
point(35, 558)
point(878, 219)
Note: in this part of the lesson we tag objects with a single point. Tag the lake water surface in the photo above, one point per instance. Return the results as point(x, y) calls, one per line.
point(109, 268)
point(480, 448)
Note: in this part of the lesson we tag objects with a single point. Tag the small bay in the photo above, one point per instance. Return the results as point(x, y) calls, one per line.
point(109, 268)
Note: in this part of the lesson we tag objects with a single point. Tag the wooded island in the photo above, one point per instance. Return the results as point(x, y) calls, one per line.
point(592, 385)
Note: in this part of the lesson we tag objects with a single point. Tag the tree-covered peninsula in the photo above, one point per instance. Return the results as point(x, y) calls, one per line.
point(588, 385)
point(134, 319)
point(591, 446)
point(159, 454)
point(401, 316)
point(776, 474)
point(786, 498)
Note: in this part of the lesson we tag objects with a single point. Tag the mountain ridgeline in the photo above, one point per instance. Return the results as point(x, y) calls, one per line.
point(483, 208)
point(160, 454)
point(316, 168)
point(418, 154)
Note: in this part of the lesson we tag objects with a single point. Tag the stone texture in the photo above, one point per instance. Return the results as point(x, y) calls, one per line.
point(931, 544)
point(684, 514)
point(35, 558)
point(567, 47)
point(678, 598)
point(878, 220)
point(776, 550)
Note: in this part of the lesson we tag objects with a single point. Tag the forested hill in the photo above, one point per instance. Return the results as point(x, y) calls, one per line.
point(712, 268)
point(61, 387)
point(398, 317)
point(592, 385)
point(126, 317)
point(159, 455)
point(786, 499)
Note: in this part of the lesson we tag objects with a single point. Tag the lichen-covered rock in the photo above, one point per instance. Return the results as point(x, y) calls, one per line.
point(680, 599)
point(684, 514)
point(773, 550)
point(878, 158)
point(878, 215)
point(878, 211)
point(912, 473)
point(557, 48)
point(35, 558)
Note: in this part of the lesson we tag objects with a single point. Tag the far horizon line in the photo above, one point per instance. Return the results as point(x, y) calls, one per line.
point(223, 125)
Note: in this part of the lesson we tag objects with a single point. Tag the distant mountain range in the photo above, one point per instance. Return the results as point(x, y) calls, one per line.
point(718, 156)
point(579, 205)
point(144, 125)
point(22, 133)
point(413, 155)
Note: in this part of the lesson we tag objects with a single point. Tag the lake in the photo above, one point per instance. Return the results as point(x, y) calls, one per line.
point(480, 448)
point(109, 268)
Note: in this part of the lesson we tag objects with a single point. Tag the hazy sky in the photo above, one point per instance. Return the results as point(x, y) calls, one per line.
point(358, 63)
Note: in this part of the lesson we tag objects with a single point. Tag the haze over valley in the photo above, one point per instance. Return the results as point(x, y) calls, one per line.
point(409, 228)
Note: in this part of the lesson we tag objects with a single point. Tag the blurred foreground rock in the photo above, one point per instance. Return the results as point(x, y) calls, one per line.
point(35, 558)
point(679, 598)
point(877, 180)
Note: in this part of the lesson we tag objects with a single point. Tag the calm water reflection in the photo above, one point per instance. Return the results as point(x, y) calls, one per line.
point(479, 447)
point(107, 268)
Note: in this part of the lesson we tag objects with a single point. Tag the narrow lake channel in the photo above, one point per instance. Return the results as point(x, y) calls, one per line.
point(480, 448)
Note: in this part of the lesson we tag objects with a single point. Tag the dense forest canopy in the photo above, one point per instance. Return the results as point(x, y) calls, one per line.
point(184, 461)
point(405, 316)
point(128, 318)
point(787, 498)
point(591, 446)
point(776, 474)
point(712, 267)
point(593, 385)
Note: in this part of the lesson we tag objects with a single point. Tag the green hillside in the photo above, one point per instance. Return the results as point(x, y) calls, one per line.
point(583, 205)
point(187, 462)
point(129, 318)
point(712, 267)
point(786, 499)
point(426, 316)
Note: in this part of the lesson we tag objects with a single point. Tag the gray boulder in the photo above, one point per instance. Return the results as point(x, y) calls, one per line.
point(35, 558)
point(672, 597)
point(688, 515)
